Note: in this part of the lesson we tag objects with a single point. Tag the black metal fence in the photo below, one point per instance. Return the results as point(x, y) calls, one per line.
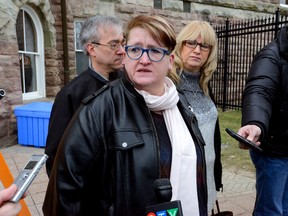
point(238, 42)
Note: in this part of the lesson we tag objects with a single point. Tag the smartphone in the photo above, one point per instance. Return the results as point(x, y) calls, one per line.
point(243, 140)
point(27, 175)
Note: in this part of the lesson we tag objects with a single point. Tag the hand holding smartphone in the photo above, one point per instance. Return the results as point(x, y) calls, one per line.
point(27, 175)
point(243, 140)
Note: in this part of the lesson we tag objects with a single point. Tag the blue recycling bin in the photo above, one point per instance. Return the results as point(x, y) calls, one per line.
point(32, 123)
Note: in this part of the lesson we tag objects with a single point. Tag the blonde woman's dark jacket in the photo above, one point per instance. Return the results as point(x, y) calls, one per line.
point(217, 148)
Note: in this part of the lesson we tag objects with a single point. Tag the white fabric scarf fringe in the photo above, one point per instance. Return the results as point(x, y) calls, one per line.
point(183, 169)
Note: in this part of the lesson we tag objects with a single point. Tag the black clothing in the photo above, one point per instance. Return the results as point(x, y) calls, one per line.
point(66, 103)
point(217, 148)
point(165, 145)
point(265, 97)
point(113, 172)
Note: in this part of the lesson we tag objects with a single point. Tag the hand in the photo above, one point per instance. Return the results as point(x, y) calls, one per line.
point(8, 208)
point(251, 132)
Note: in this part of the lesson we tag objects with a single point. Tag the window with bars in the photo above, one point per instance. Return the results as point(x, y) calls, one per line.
point(186, 6)
point(158, 4)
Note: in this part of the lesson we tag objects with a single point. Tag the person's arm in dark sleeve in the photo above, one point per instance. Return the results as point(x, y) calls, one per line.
point(61, 114)
point(261, 90)
point(66, 192)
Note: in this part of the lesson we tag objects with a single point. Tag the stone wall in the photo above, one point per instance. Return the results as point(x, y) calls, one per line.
point(9, 60)
point(49, 11)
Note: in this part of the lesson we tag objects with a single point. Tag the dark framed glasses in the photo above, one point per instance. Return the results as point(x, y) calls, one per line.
point(193, 44)
point(154, 54)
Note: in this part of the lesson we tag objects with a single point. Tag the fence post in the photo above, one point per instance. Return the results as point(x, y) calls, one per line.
point(226, 52)
point(276, 22)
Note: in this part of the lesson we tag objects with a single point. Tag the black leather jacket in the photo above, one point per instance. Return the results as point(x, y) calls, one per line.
point(65, 105)
point(108, 159)
point(265, 98)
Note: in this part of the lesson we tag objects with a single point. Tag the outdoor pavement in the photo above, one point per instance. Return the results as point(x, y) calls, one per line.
point(238, 194)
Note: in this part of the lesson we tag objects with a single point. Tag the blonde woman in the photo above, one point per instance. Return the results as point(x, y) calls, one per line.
point(195, 61)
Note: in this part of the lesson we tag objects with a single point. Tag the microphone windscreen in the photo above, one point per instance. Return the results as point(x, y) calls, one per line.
point(162, 182)
point(163, 190)
point(163, 193)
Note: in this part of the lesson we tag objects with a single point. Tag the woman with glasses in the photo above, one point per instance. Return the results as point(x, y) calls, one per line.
point(133, 132)
point(195, 61)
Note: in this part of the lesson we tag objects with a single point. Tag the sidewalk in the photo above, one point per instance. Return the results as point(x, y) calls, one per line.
point(238, 195)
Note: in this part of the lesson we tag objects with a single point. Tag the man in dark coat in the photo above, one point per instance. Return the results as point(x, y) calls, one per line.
point(265, 122)
point(102, 40)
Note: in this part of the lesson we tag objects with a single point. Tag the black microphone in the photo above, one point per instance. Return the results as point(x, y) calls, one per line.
point(163, 193)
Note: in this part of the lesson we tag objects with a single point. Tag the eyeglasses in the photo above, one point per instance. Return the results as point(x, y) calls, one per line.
point(193, 44)
point(112, 45)
point(154, 54)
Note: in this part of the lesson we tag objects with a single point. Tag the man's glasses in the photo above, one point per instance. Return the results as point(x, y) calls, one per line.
point(154, 54)
point(112, 45)
point(193, 44)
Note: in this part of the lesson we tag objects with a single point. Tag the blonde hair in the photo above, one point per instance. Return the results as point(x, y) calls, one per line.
point(160, 30)
point(192, 31)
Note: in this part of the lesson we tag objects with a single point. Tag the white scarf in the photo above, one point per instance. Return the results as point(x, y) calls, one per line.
point(183, 169)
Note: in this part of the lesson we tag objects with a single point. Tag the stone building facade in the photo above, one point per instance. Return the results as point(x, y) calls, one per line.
point(54, 54)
